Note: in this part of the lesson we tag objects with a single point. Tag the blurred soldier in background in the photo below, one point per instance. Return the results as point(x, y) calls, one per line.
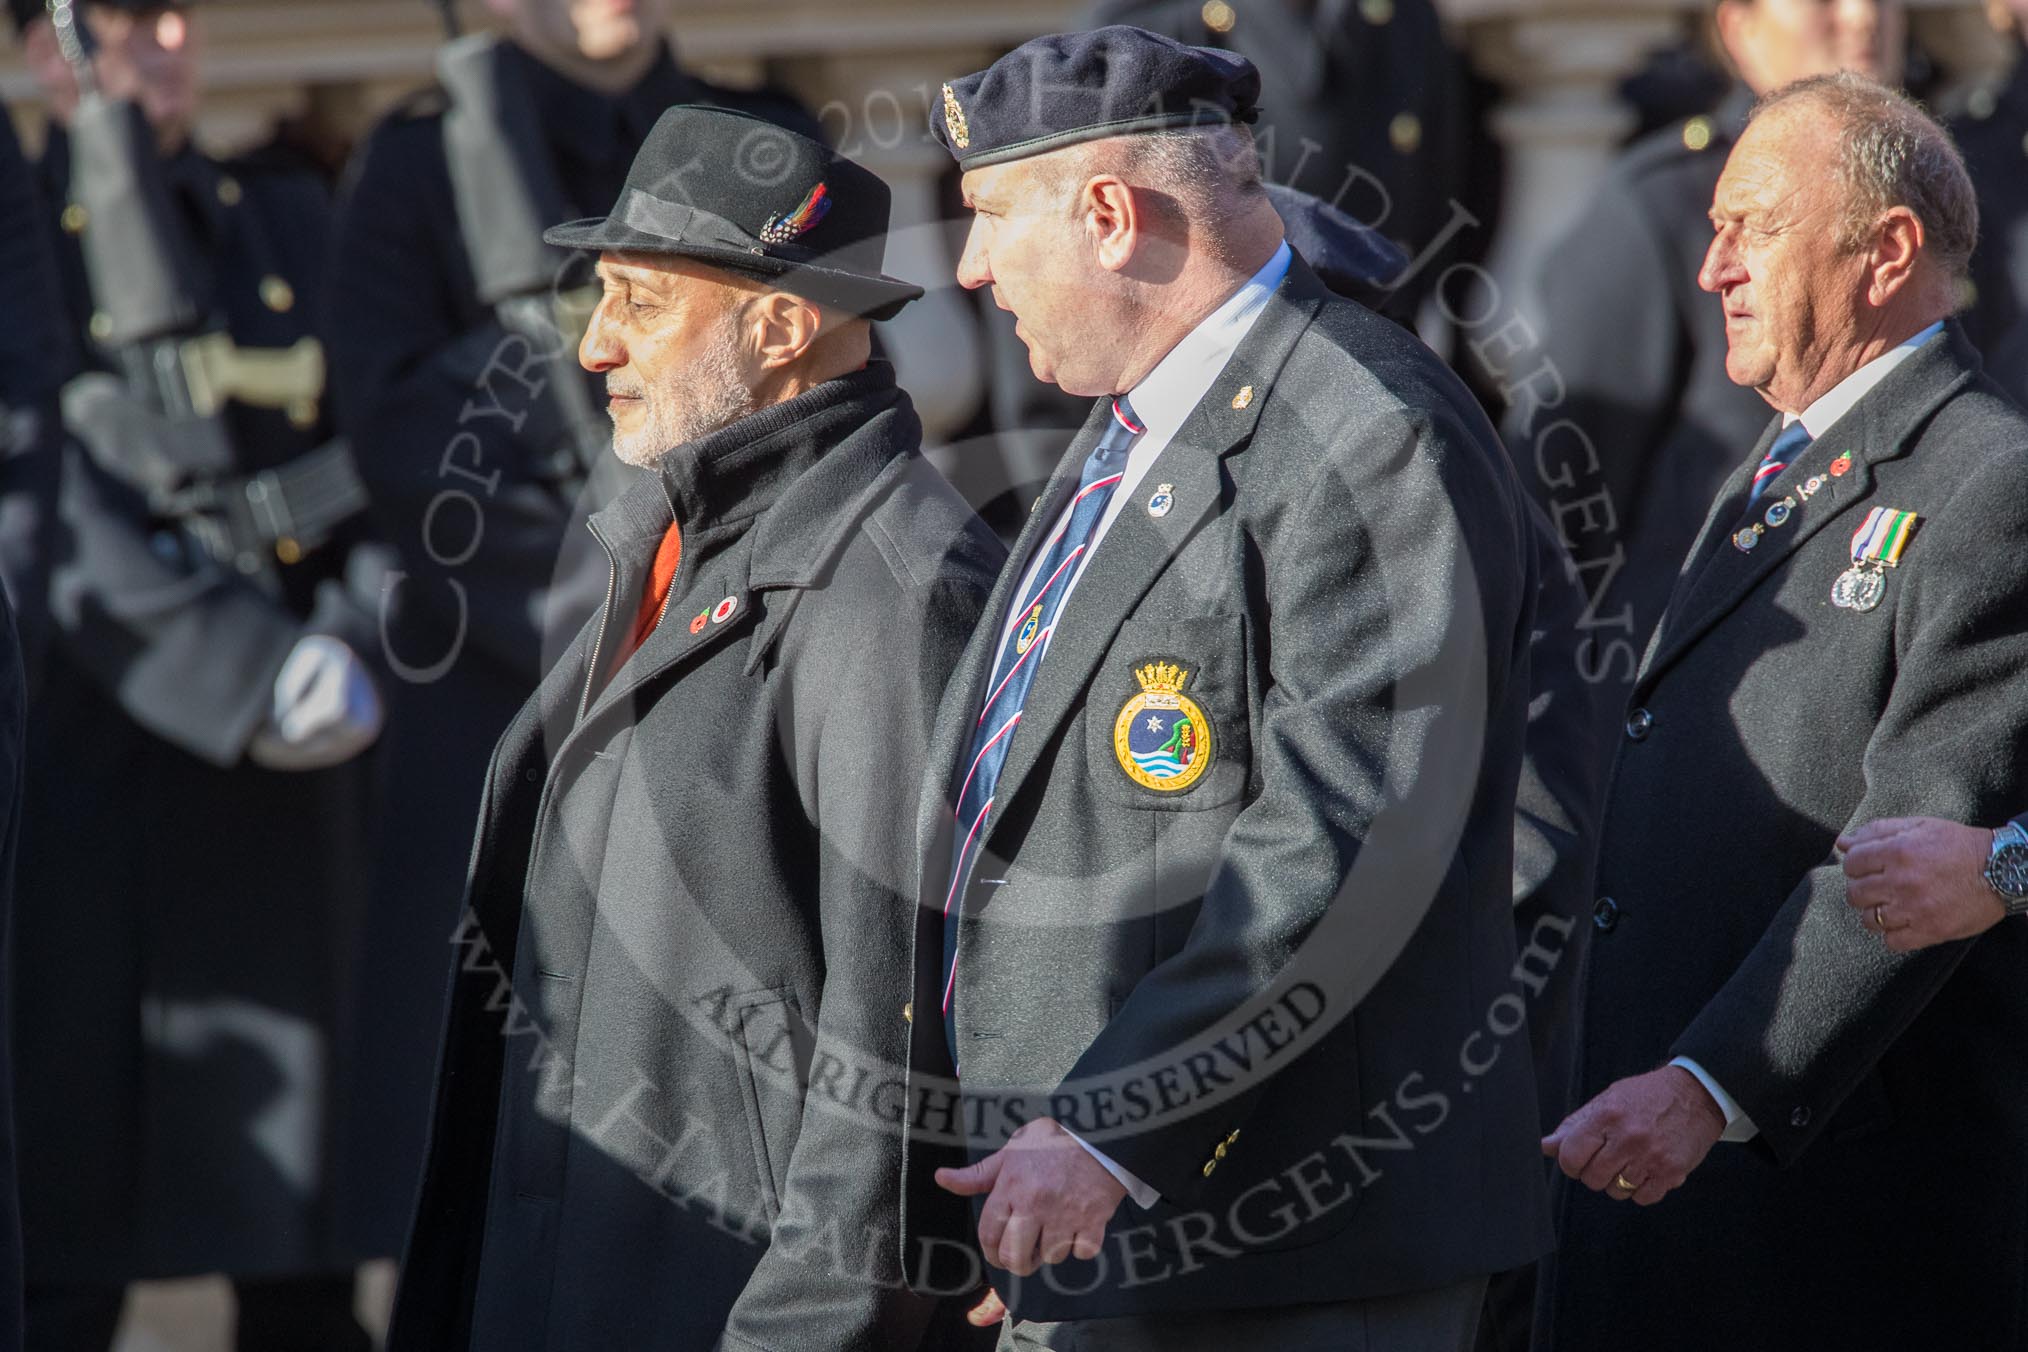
point(1676, 84)
point(1992, 130)
point(32, 344)
point(195, 806)
point(484, 447)
point(13, 729)
point(27, 393)
point(1648, 425)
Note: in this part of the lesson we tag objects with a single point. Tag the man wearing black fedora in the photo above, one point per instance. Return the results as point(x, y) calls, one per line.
point(667, 1093)
point(438, 277)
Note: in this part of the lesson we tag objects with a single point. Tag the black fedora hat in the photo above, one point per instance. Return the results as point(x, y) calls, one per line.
point(755, 199)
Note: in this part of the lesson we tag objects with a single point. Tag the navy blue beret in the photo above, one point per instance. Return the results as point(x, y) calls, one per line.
point(1069, 87)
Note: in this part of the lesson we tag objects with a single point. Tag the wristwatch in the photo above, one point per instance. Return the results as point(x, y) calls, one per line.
point(2007, 869)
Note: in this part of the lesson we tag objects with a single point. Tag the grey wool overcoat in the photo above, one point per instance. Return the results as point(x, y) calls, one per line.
point(666, 1100)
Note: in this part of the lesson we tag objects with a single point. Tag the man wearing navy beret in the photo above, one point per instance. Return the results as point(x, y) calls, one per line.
point(1217, 1032)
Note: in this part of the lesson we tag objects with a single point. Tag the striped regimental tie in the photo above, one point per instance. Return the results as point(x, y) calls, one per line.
point(1014, 672)
point(1793, 441)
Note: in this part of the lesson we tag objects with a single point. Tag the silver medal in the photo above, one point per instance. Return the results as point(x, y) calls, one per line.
point(1860, 589)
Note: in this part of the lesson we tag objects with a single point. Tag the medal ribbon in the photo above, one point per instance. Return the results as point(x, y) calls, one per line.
point(1882, 536)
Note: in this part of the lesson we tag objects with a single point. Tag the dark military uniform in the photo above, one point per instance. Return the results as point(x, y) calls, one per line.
point(13, 729)
point(1993, 133)
point(475, 486)
point(183, 913)
point(1675, 85)
point(27, 386)
point(31, 369)
point(1649, 424)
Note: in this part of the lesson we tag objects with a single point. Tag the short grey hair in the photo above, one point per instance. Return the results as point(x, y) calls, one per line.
point(1891, 153)
point(1212, 173)
point(1201, 165)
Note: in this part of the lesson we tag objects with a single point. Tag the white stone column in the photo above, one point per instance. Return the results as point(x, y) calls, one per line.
point(1561, 62)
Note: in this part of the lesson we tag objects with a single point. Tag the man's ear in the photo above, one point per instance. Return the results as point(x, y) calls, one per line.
point(785, 326)
point(1898, 238)
point(1112, 220)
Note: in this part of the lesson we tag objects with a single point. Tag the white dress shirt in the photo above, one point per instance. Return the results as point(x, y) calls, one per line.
point(1817, 419)
point(1163, 401)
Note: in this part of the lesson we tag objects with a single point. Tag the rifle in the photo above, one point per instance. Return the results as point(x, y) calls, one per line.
point(159, 427)
point(506, 195)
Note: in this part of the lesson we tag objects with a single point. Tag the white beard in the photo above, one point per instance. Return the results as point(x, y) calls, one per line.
point(695, 401)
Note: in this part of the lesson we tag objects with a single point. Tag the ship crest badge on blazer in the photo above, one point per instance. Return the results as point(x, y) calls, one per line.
point(1161, 738)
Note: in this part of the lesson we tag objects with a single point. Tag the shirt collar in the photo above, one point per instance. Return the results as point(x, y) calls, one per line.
point(1167, 394)
point(1819, 417)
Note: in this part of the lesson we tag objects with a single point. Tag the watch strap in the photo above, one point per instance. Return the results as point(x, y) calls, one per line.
point(2007, 867)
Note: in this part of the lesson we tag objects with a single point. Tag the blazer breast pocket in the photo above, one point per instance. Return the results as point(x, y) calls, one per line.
point(1167, 722)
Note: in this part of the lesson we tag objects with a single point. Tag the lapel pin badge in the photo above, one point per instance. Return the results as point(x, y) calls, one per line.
point(1164, 499)
point(1243, 398)
point(697, 625)
point(1841, 466)
point(722, 612)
